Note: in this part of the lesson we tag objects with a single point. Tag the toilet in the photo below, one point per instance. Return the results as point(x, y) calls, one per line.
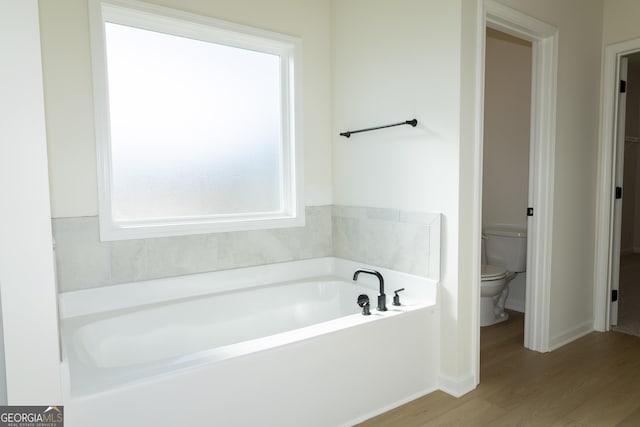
point(504, 254)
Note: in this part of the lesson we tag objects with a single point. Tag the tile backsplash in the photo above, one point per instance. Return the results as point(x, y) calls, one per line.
point(389, 238)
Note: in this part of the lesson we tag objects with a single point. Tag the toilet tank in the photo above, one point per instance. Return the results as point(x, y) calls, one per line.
point(506, 247)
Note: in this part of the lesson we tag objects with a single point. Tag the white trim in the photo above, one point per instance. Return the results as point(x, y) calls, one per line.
point(616, 238)
point(457, 386)
point(27, 280)
point(606, 173)
point(170, 21)
point(571, 335)
point(476, 226)
point(544, 38)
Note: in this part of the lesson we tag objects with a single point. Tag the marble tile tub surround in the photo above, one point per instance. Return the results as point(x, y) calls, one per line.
point(83, 261)
point(403, 241)
point(399, 240)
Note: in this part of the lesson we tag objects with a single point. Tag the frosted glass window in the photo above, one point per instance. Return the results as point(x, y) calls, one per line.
point(196, 134)
point(195, 126)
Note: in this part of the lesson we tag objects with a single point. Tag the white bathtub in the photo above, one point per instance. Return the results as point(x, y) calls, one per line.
point(295, 348)
point(170, 331)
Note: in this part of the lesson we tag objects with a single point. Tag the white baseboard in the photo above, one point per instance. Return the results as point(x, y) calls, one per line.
point(570, 335)
point(457, 387)
point(387, 408)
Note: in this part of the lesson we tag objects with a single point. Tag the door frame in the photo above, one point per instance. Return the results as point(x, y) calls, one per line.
point(544, 40)
point(616, 238)
point(605, 255)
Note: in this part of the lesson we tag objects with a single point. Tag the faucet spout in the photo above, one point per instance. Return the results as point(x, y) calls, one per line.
point(382, 298)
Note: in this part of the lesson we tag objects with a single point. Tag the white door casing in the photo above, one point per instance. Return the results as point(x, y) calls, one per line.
point(618, 181)
point(544, 39)
point(606, 261)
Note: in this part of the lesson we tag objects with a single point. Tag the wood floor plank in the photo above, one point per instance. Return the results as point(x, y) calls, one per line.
point(477, 412)
point(631, 420)
point(610, 405)
point(594, 381)
point(418, 412)
point(629, 294)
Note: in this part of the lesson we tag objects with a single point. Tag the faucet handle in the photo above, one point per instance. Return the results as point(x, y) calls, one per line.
point(396, 297)
point(363, 301)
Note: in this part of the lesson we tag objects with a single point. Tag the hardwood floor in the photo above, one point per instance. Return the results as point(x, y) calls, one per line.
point(629, 301)
point(594, 381)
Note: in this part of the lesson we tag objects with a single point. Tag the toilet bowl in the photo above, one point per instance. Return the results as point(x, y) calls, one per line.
point(503, 256)
point(493, 294)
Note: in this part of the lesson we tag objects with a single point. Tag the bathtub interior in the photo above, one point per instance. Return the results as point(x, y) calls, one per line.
point(197, 324)
point(117, 343)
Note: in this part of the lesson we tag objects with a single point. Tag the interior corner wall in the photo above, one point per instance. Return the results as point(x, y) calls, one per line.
point(579, 24)
point(66, 59)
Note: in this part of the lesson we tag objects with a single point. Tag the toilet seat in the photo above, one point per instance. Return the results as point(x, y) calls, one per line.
point(492, 272)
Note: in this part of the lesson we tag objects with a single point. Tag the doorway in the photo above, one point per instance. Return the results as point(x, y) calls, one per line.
point(610, 176)
point(506, 147)
point(625, 316)
point(544, 42)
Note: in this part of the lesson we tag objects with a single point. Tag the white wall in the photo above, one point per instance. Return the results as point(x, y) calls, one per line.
point(29, 311)
point(69, 100)
point(390, 66)
point(507, 118)
point(620, 21)
point(579, 60)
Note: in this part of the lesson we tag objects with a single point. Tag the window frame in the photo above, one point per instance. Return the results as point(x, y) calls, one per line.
point(170, 21)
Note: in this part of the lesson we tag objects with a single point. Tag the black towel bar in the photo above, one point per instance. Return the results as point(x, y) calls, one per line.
point(348, 133)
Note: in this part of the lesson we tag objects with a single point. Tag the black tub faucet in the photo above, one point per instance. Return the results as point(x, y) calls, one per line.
point(382, 298)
